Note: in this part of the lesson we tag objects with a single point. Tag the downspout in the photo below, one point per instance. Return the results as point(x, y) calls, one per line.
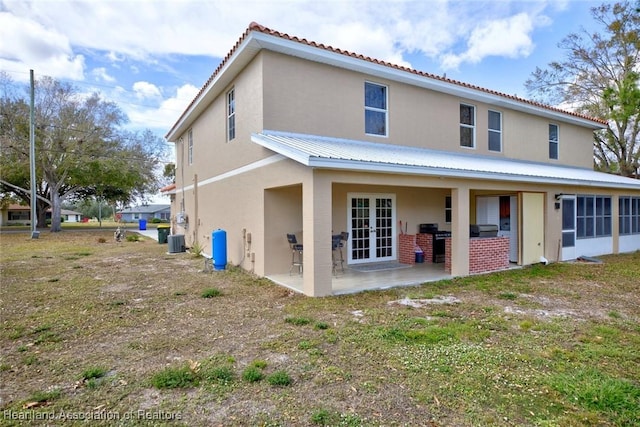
point(196, 219)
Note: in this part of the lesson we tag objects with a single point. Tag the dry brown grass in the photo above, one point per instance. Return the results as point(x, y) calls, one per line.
point(71, 305)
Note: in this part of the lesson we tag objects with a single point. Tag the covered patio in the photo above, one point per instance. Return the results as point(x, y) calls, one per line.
point(370, 277)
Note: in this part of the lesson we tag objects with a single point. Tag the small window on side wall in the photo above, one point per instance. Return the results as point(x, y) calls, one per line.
point(231, 115)
point(190, 147)
point(467, 126)
point(553, 141)
point(375, 109)
point(447, 209)
point(495, 131)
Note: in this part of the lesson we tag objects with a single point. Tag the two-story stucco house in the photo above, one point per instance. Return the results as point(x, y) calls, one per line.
point(290, 136)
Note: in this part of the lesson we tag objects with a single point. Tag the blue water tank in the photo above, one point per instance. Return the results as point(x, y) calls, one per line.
point(219, 242)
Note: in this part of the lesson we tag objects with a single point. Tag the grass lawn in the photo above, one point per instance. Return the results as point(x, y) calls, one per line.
point(126, 334)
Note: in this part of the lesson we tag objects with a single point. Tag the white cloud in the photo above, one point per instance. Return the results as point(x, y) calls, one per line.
point(26, 44)
point(101, 74)
point(164, 115)
point(139, 40)
point(509, 38)
point(144, 90)
point(389, 30)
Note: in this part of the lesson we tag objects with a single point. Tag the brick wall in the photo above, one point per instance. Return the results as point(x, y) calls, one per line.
point(447, 254)
point(485, 254)
point(406, 250)
point(425, 241)
point(488, 254)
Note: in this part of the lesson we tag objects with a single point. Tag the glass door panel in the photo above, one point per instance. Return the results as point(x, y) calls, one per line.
point(371, 221)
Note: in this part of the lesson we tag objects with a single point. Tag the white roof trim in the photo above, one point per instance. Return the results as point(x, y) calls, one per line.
point(335, 153)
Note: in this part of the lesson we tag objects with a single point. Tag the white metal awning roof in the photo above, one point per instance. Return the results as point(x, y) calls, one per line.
point(334, 153)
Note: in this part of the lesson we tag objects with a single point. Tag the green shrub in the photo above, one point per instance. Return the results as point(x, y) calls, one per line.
point(298, 321)
point(219, 374)
point(211, 293)
point(321, 325)
point(322, 417)
point(94, 372)
point(44, 396)
point(279, 379)
point(252, 374)
point(259, 364)
point(174, 378)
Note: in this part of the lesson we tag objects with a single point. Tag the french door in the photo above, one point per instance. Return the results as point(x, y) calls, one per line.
point(371, 219)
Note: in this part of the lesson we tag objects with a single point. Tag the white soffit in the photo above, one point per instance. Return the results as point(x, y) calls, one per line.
point(335, 153)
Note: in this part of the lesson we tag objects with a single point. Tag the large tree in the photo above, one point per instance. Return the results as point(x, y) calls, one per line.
point(81, 149)
point(600, 76)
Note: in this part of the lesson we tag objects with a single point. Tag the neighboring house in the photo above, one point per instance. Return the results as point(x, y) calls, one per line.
point(147, 212)
point(20, 214)
point(289, 135)
point(69, 216)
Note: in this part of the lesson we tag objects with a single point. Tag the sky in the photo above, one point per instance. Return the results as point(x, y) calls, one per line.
point(152, 56)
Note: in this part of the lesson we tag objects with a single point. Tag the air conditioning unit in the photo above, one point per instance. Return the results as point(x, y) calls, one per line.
point(176, 243)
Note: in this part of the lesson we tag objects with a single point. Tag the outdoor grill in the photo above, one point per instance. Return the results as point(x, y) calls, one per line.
point(438, 237)
point(483, 230)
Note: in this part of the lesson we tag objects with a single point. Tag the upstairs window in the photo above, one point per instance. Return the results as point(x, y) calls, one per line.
point(553, 141)
point(190, 146)
point(231, 115)
point(495, 131)
point(375, 109)
point(467, 126)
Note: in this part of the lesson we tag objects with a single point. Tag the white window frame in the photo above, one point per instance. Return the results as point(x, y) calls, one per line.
point(231, 114)
point(556, 142)
point(190, 147)
point(378, 110)
point(590, 216)
point(629, 215)
point(494, 131)
point(469, 126)
point(448, 211)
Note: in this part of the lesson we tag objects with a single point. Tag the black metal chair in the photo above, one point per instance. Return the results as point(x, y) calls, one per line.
point(296, 253)
point(336, 252)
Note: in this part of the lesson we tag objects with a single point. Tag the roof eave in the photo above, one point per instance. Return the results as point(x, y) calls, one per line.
point(410, 77)
point(245, 52)
point(354, 165)
point(255, 41)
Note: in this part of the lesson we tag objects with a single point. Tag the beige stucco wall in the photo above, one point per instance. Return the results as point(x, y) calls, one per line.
point(212, 153)
point(305, 97)
point(268, 200)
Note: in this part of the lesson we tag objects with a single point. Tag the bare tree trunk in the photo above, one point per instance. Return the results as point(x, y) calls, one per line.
point(56, 212)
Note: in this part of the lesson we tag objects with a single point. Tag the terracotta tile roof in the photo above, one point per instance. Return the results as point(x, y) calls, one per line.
point(262, 29)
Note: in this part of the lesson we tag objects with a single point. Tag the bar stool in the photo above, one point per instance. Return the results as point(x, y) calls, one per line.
point(296, 253)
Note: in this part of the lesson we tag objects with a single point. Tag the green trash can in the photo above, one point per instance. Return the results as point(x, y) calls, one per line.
point(163, 233)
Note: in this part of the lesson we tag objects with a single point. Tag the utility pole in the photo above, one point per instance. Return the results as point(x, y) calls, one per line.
point(32, 159)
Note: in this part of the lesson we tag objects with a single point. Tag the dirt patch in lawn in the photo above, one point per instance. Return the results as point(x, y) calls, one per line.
point(71, 305)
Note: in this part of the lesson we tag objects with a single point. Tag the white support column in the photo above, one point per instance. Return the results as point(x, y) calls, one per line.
point(460, 231)
point(316, 224)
